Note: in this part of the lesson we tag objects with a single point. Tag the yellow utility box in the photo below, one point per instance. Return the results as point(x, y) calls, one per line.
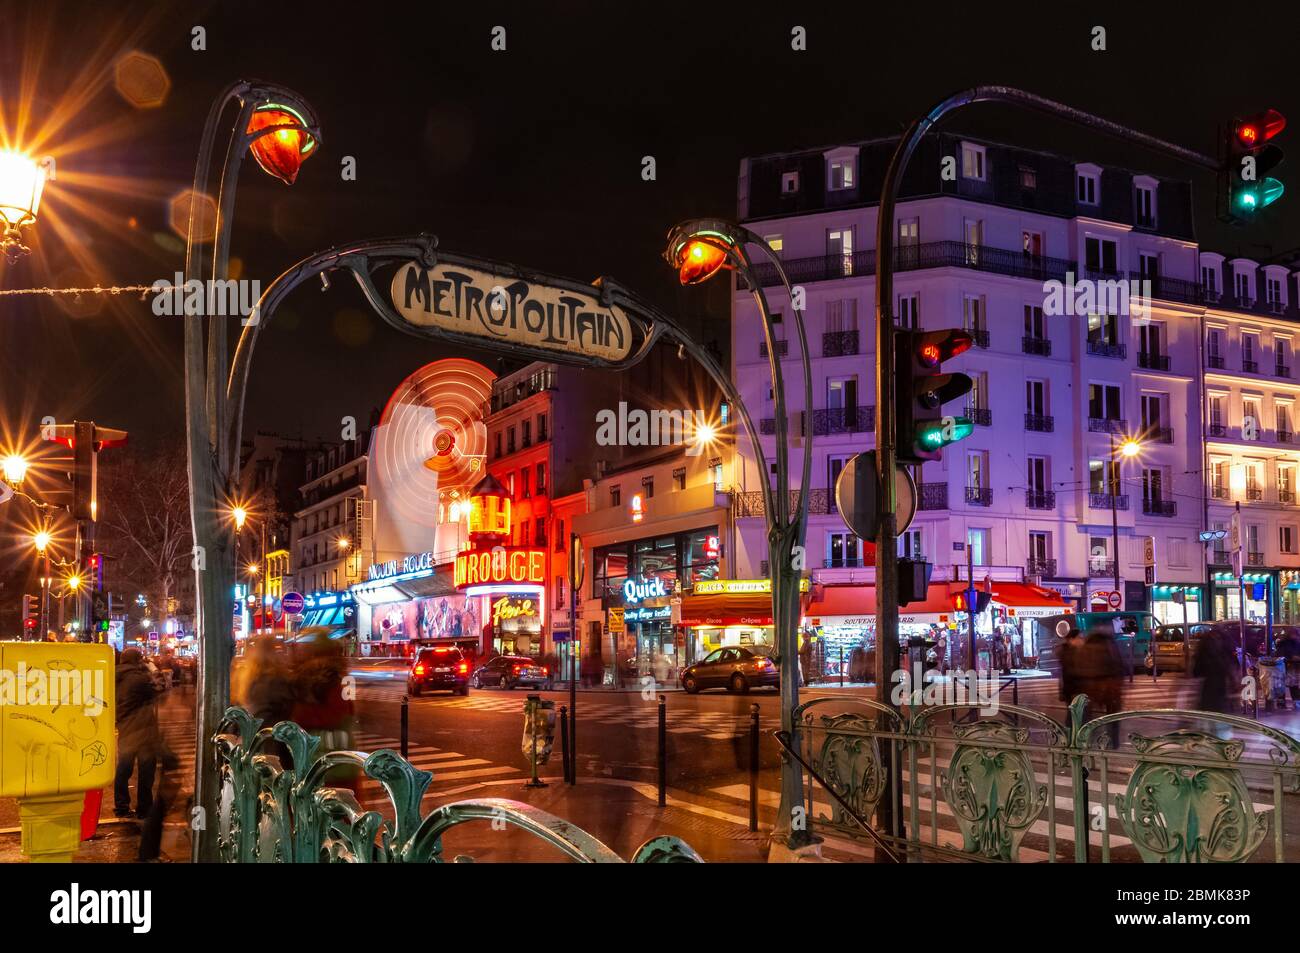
point(56, 737)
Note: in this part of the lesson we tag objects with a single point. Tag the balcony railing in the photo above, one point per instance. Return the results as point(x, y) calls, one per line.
point(979, 335)
point(1039, 346)
point(1218, 430)
point(1102, 501)
point(1250, 367)
point(1101, 568)
point(1107, 425)
point(1216, 361)
point(1154, 362)
point(1219, 557)
point(1285, 495)
point(506, 395)
point(843, 420)
point(1219, 492)
point(1039, 423)
point(1254, 493)
point(839, 343)
point(782, 348)
point(1254, 559)
point(821, 502)
point(932, 496)
point(1106, 349)
point(979, 496)
point(981, 416)
point(1040, 567)
point(842, 562)
point(1040, 499)
point(1285, 436)
point(1159, 507)
point(1161, 434)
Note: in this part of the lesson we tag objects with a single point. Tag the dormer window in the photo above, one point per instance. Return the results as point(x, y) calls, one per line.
point(1028, 178)
point(841, 174)
point(972, 161)
point(1241, 287)
point(1088, 184)
point(1144, 202)
point(789, 183)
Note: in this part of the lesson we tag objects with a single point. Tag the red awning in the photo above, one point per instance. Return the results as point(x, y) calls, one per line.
point(852, 605)
point(727, 608)
point(1025, 601)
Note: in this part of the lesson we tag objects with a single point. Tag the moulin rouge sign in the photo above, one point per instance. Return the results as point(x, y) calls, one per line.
point(500, 565)
point(509, 310)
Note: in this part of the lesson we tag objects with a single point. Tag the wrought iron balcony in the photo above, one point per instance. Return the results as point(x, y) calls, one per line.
point(979, 496)
point(1040, 567)
point(1102, 501)
point(1032, 345)
point(1282, 370)
point(1285, 436)
point(1040, 499)
point(1106, 349)
point(782, 348)
point(1254, 559)
point(842, 562)
point(1159, 507)
point(932, 496)
point(1219, 557)
point(1255, 493)
point(749, 503)
point(1285, 495)
point(1219, 492)
point(1101, 568)
point(1218, 430)
point(843, 420)
point(1040, 423)
point(1215, 360)
point(1250, 367)
point(1152, 361)
point(839, 343)
point(1107, 425)
point(979, 335)
point(1161, 434)
point(981, 416)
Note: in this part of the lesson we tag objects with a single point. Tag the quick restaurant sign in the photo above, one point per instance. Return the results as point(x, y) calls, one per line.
point(510, 310)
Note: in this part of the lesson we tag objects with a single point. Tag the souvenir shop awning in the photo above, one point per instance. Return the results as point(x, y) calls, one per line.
point(855, 606)
point(1025, 601)
point(727, 608)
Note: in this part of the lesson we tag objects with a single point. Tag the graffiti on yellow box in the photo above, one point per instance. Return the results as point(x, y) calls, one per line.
point(56, 717)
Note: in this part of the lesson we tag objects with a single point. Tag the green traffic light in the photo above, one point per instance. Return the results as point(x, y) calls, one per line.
point(1252, 198)
point(932, 436)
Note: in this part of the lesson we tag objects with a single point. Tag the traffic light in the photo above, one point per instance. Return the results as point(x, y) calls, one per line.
point(1248, 156)
point(961, 601)
point(98, 612)
point(921, 389)
point(30, 611)
point(95, 565)
point(913, 581)
point(84, 470)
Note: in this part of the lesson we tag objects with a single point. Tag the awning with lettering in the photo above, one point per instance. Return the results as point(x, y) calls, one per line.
point(1025, 601)
point(727, 608)
point(855, 606)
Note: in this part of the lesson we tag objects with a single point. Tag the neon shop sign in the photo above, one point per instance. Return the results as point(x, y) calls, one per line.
point(635, 591)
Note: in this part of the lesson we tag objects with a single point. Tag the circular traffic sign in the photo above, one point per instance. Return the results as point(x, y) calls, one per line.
point(1114, 600)
point(293, 603)
point(855, 496)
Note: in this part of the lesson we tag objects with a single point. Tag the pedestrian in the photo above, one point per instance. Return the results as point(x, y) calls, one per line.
point(137, 734)
point(269, 692)
point(805, 662)
point(320, 705)
point(1071, 684)
point(1216, 667)
point(1102, 674)
point(1288, 649)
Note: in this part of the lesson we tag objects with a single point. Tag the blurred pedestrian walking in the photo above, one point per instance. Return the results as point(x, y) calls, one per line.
point(138, 736)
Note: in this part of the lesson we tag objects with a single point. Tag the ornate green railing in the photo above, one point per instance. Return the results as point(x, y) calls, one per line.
point(280, 803)
point(949, 782)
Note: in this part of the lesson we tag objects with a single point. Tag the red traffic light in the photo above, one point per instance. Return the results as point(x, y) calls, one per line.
point(1260, 128)
point(935, 347)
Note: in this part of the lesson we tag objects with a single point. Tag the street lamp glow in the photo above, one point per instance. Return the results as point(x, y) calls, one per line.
point(254, 569)
point(15, 468)
point(42, 540)
point(344, 542)
point(22, 179)
point(705, 435)
point(698, 261)
point(280, 153)
point(74, 583)
point(1130, 448)
point(240, 516)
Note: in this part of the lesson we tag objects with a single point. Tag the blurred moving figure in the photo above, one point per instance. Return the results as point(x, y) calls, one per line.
point(138, 737)
point(268, 692)
point(1216, 667)
point(1071, 683)
point(1288, 648)
point(1101, 672)
point(321, 706)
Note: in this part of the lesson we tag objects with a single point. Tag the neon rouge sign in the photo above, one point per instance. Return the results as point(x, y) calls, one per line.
point(500, 565)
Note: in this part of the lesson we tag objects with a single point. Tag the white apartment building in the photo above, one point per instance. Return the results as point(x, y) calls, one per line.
point(1028, 494)
point(326, 540)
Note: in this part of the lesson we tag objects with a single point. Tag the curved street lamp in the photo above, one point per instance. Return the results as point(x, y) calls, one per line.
point(699, 250)
point(22, 179)
point(14, 467)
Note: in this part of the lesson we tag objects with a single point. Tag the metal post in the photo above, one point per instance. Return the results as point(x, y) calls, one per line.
point(972, 602)
point(564, 741)
point(574, 646)
point(406, 726)
point(45, 597)
point(841, 666)
point(1114, 511)
point(663, 751)
point(753, 765)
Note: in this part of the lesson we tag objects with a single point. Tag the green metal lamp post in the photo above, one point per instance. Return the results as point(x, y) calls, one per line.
point(699, 250)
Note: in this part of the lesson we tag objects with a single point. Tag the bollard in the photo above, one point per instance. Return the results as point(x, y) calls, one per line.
point(663, 751)
point(753, 766)
point(1015, 692)
point(564, 742)
point(406, 727)
point(841, 666)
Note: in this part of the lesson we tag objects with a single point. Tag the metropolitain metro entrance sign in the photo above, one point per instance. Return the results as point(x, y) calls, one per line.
point(504, 564)
point(515, 310)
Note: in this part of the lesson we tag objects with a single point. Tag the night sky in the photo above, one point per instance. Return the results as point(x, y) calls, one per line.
point(531, 155)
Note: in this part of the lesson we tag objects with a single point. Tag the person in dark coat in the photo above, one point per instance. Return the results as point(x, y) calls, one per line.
point(1101, 672)
point(1216, 667)
point(1288, 648)
point(138, 736)
point(1071, 684)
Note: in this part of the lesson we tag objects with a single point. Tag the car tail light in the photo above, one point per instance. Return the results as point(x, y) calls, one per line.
point(543, 669)
point(518, 669)
point(462, 668)
point(419, 669)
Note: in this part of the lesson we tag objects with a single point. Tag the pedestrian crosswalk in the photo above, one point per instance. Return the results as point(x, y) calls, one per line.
point(446, 766)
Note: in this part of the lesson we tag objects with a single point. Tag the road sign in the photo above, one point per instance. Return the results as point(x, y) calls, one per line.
point(1149, 551)
point(293, 603)
point(855, 495)
point(153, 636)
point(1114, 600)
point(615, 620)
point(1151, 575)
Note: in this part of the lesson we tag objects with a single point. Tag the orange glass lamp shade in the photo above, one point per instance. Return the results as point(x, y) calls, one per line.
point(489, 510)
point(280, 153)
point(698, 261)
point(22, 179)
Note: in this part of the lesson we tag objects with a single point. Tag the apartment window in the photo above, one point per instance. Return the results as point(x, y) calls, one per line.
point(715, 471)
point(978, 541)
point(789, 183)
point(525, 480)
point(1103, 329)
point(1210, 280)
point(1028, 178)
point(1151, 337)
point(909, 311)
point(541, 479)
point(1286, 538)
point(541, 428)
point(510, 482)
point(1154, 411)
point(1038, 482)
point(1102, 475)
point(775, 243)
point(841, 549)
point(1103, 402)
point(909, 545)
point(1250, 418)
point(1035, 326)
point(1241, 287)
point(1252, 538)
point(539, 532)
point(1218, 413)
point(1214, 346)
point(1273, 291)
point(1032, 244)
point(1101, 254)
point(1176, 547)
point(977, 469)
point(839, 244)
point(496, 445)
point(1036, 398)
point(841, 393)
point(1153, 485)
point(909, 232)
point(842, 315)
point(973, 232)
point(1146, 205)
point(648, 486)
point(973, 315)
point(1282, 356)
point(526, 435)
point(1088, 187)
point(834, 466)
point(559, 536)
point(559, 593)
point(841, 174)
point(1040, 546)
point(679, 478)
point(1286, 483)
point(1282, 415)
point(1249, 347)
point(615, 495)
point(510, 440)
point(1149, 265)
point(972, 161)
point(1253, 488)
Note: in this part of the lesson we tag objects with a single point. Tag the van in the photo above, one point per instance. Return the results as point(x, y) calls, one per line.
point(1133, 632)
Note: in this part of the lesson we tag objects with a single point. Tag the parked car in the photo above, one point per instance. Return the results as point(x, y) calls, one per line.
point(444, 668)
point(507, 671)
point(1167, 646)
point(735, 668)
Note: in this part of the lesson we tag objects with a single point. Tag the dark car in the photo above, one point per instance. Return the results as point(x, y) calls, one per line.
point(507, 671)
point(439, 669)
point(735, 668)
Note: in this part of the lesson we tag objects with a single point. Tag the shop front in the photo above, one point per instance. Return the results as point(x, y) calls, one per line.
point(410, 601)
point(1177, 604)
point(1257, 587)
point(724, 612)
point(840, 629)
point(1015, 608)
point(1289, 590)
